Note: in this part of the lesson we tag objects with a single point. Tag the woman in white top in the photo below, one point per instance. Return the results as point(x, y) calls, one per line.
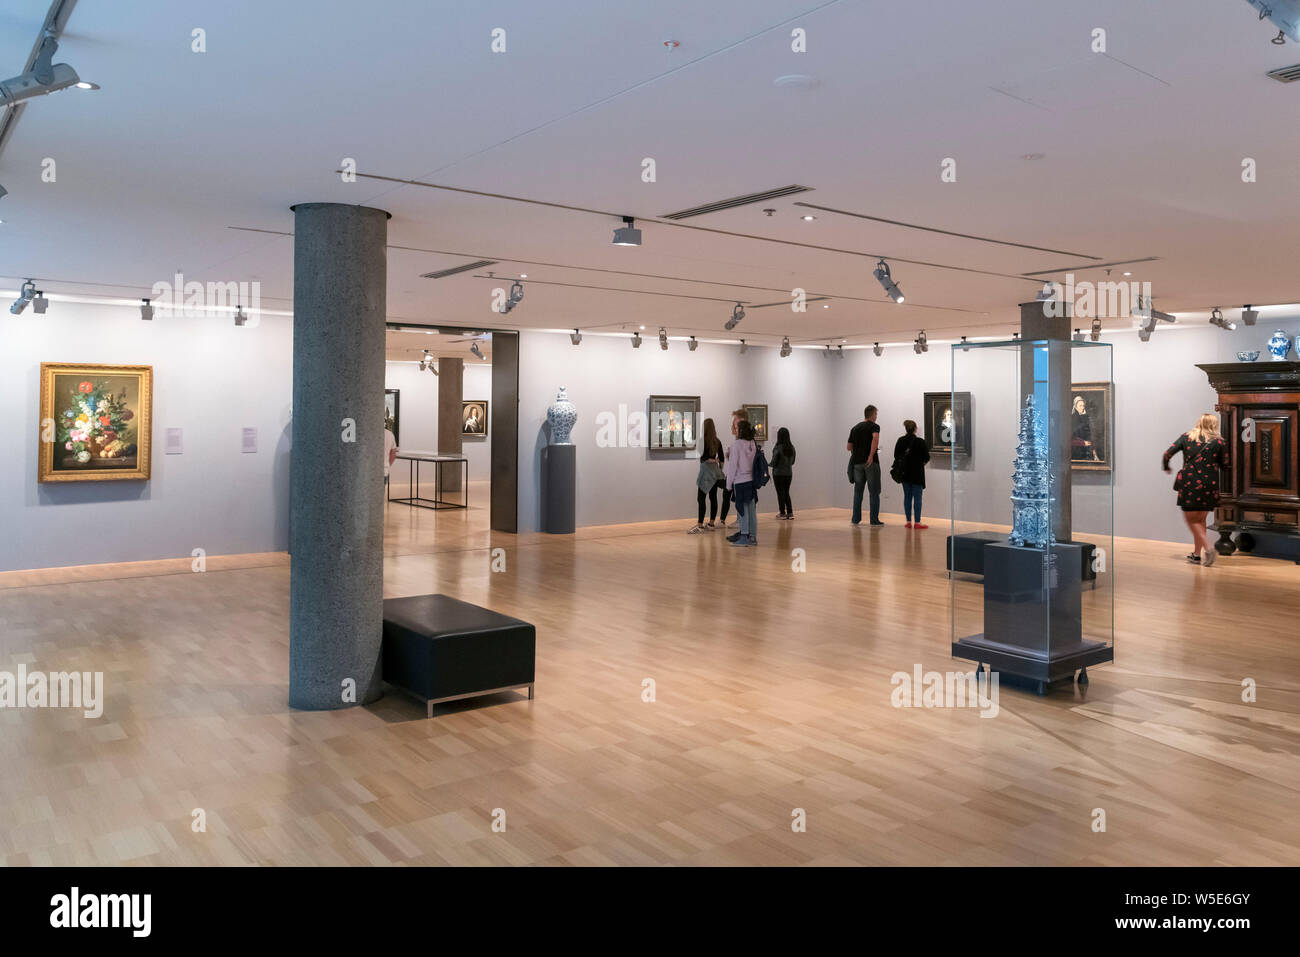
point(739, 470)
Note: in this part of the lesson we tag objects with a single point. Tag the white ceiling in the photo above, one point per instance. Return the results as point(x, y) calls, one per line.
point(1143, 151)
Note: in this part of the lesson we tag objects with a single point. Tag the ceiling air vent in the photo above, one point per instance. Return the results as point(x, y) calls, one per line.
point(444, 273)
point(1286, 74)
point(736, 201)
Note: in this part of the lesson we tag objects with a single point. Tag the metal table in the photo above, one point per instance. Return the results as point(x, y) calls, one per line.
point(413, 460)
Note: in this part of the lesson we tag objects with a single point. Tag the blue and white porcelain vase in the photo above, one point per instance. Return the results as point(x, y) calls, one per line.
point(1279, 344)
point(562, 414)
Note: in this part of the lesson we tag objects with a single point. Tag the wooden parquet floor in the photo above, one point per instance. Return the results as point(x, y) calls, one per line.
point(772, 693)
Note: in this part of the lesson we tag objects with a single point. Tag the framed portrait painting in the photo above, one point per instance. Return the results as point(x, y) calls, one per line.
point(393, 413)
point(947, 423)
point(474, 418)
point(96, 422)
point(1090, 425)
point(757, 416)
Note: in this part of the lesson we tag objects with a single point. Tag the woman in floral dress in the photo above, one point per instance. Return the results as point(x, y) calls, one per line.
point(1204, 454)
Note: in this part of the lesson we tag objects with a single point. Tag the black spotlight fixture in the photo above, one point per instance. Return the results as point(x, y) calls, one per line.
point(693, 344)
point(1095, 335)
point(515, 298)
point(737, 314)
point(25, 295)
point(146, 310)
point(785, 347)
point(1249, 315)
point(636, 340)
point(627, 234)
point(241, 317)
point(839, 351)
point(478, 353)
point(827, 353)
point(575, 337)
point(744, 347)
point(916, 346)
point(877, 348)
point(887, 281)
point(1216, 319)
point(925, 343)
point(663, 339)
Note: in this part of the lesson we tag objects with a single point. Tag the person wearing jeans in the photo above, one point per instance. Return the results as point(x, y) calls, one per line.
point(864, 444)
point(911, 453)
point(740, 479)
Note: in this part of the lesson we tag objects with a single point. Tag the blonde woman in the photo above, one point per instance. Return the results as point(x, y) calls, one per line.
point(1204, 454)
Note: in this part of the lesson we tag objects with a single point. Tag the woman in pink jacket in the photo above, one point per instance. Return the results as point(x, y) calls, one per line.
point(739, 470)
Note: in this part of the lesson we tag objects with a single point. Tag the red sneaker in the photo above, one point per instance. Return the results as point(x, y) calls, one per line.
point(919, 525)
point(908, 525)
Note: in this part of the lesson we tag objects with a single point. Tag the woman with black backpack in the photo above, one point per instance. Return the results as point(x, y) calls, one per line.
point(911, 452)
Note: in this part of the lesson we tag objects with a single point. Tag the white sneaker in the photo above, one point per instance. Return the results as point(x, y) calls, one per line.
point(1208, 555)
point(696, 530)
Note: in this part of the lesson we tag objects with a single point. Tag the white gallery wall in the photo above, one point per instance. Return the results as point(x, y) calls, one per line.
point(211, 379)
point(629, 484)
point(1159, 393)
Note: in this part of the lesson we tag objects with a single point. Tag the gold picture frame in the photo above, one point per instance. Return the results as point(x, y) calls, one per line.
point(96, 422)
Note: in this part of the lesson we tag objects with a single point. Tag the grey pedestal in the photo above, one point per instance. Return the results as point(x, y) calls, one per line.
point(1033, 616)
point(559, 489)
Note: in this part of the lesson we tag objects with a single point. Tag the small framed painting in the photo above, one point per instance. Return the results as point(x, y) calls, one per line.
point(1090, 418)
point(948, 423)
point(757, 416)
point(393, 413)
point(96, 422)
point(474, 418)
point(674, 422)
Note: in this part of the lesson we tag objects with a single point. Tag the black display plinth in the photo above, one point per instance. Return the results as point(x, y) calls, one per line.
point(1033, 615)
point(559, 488)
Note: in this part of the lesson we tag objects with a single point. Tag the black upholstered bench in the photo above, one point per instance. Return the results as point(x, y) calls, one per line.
point(440, 649)
point(966, 553)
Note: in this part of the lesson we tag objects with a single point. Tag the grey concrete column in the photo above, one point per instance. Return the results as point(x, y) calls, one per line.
point(337, 472)
point(451, 389)
point(1036, 324)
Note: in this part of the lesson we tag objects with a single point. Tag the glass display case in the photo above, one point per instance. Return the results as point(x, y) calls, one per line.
point(674, 422)
point(1031, 546)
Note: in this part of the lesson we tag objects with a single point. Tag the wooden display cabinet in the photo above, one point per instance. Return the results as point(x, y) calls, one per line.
point(1260, 489)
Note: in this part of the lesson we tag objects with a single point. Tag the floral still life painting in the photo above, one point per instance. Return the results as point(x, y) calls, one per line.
point(96, 422)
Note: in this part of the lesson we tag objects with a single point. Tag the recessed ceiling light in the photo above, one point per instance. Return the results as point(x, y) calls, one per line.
point(87, 85)
point(1033, 156)
point(523, 275)
point(807, 218)
point(826, 306)
point(643, 327)
point(1128, 274)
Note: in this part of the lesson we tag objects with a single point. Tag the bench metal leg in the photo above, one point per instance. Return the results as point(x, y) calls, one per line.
point(530, 692)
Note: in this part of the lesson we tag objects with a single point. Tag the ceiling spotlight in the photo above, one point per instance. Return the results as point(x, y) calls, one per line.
point(1280, 39)
point(241, 317)
point(887, 281)
point(636, 340)
point(827, 353)
point(1095, 335)
point(916, 346)
point(1015, 335)
point(877, 348)
point(575, 337)
point(515, 298)
point(146, 310)
point(925, 344)
point(473, 348)
point(737, 314)
point(25, 296)
point(1249, 315)
point(428, 363)
point(785, 347)
point(1216, 319)
point(693, 344)
point(808, 218)
point(744, 347)
point(627, 234)
point(44, 77)
point(1144, 333)
point(1047, 292)
point(40, 303)
point(663, 339)
point(840, 353)
point(1078, 335)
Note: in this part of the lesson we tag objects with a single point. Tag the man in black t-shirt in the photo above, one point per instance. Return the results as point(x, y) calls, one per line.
point(864, 443)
